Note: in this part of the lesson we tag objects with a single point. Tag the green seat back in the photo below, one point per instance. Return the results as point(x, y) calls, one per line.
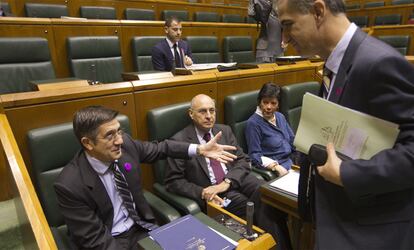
point(102, 51)
point(232, 18)
point(249, 20)
point(398, 2)
point(23, 60)
point(360, 21)
point(238, 49)
point(142, 51)
point(163, 123)
point(139, 14)
point(373, 4)
point(291, 100)
point(352, 6)
point(201, 16)
point(97, 12)
point(6, 8)
point(392, 19)
point(237, 110)
point(46, 10)
point(400, 43)
point(182, 15)
point(204, 49)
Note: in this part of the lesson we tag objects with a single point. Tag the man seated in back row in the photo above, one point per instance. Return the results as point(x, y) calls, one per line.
point(99, 192)
point(172, 50)
point(204, 179)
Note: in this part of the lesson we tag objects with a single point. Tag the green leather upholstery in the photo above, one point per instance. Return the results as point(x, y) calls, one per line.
point(237, 110)
point(201, 16)
point(232, 18)
point(51, 148)
point(139, 14)
point(6, 8)
point(23, 60)
point(97, 12)
point(163, 123)
point(238, 49)
point(373, 4)
point(204, 49)
point(182, 15)
point(400, 43)
point(398, 2)
point(249, 20)
point(352, 6)
point(291, 100)
point(392, 19)
point(142, 51)
point(46, 10)
point(102, 51)
point(360, 21)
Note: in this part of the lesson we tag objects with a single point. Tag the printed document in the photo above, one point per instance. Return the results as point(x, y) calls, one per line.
point(355, 134)
point(288, 183)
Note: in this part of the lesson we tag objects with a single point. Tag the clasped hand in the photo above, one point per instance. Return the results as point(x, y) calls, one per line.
point(331, 170)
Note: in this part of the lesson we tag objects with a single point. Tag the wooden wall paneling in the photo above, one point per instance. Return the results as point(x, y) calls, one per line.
point(18, 5)
point(301, 72)
point(123, 4)
point(69, 28)
point(404, 10)
point(25, 118)
point(31, 27)
point(393, 30)
point(5, 180)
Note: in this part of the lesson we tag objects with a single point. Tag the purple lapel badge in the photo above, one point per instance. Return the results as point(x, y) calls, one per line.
point(338, 91)
point(127, 166)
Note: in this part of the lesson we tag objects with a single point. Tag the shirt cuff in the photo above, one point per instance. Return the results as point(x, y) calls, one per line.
point(192, 150)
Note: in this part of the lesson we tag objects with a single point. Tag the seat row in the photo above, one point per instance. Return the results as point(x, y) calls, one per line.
point(362, 21)
point(377, 4)
point(26, 60)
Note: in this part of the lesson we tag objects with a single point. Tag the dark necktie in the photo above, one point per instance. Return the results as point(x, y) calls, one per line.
point(215, 164)
point(177, 57)
point(123, 189)
point(327, 78)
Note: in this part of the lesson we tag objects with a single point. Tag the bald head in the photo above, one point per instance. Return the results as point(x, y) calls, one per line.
point(203, 112)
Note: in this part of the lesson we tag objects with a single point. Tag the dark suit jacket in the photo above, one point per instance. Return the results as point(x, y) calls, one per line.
point(83, 199)
point(162, 57)
point(190, 177)
point(375, 208)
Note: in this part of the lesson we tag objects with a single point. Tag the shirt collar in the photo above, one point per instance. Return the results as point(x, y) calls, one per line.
point(335, 58)
point(99, 166)
point(171, 44)
point(200, 134)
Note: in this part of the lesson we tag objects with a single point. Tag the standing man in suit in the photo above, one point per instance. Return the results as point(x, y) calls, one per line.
point(358, 204)
point(172, 50)
point(99, 192)
point(203, 179)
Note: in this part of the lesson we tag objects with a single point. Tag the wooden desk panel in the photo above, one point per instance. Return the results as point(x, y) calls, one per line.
point(404, 10)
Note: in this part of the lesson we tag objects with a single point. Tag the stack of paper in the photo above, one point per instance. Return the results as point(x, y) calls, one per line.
point(288, 183)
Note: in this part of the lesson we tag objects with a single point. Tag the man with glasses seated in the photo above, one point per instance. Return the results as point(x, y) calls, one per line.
point(229, 185)
point(99, 192)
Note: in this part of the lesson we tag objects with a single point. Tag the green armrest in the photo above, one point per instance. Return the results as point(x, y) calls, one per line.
point(182, 204)
point(162, 211)
point(258, 175)
point(267, 174)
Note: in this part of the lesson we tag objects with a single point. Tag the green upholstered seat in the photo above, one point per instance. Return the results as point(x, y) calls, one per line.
point(399, 42)
point(97, 12)
point(250, 20)
point(139, 14)
point(399, 2)
point(201, 16)
point(237, 110)
point(232, 18)
point(182, 15)
point(291, 100)
point(6, 8)
point(163, 123)
point(238, 49)
point(352, 6)
point(51, 148)
point(46, 10)
point(392, 19)
point(204, 49)
point(360, 21)
point(23, 60)
point(101, 51)
point(373, 4)
point(142, 51)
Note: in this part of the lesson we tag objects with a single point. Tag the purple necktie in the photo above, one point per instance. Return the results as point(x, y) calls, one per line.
point(215, 164)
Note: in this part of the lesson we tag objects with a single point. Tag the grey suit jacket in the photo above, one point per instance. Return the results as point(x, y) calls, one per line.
point(83, 199)
point(375, 208)
point(190, 177)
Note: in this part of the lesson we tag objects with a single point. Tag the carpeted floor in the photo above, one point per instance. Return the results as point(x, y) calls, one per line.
point(10, 236)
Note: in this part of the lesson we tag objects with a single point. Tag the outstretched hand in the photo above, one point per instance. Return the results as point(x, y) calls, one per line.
point(331, 170)
point(217, 151)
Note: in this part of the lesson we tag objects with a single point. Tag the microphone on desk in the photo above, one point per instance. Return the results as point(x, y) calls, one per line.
point(92, 76)
point(249, 218)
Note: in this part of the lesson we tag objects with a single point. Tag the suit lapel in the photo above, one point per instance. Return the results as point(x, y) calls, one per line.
point(168, 50)
point(341, 79)
point(192, 138)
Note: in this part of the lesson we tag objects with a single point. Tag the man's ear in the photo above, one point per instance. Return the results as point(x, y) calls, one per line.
point(87, 143)
point(191, 113)
point(166, 29)
point(319, 8)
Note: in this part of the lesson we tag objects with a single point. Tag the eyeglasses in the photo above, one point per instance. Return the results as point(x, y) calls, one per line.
point(113, 135)
point(212, 111)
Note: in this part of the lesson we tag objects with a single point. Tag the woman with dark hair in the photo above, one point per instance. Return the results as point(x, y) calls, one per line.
point(268, 135)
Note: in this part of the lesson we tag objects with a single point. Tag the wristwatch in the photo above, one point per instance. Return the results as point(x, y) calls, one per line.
point(228, 181)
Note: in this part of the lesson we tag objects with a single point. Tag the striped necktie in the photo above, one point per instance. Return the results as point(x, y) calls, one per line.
point(327, 78)
point(123, 189)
